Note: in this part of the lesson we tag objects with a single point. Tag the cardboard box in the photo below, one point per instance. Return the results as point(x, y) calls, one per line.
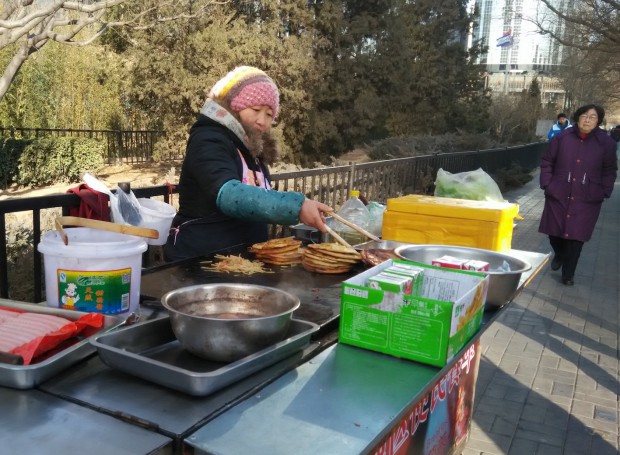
point(429, 328)
point(450, 262)
point(435, 220)
point(415, 273)
point(478, 266)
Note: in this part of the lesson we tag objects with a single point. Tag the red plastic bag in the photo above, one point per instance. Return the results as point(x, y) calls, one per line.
point(88, 324)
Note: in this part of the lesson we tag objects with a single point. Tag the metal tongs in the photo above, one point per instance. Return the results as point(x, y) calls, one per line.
point(353, 226)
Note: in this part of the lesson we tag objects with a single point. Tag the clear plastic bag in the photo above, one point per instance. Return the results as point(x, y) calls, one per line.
point(376, 210)
point(125, 207)
point(474, 185)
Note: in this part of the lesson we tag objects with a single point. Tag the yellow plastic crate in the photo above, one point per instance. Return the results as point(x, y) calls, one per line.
point(447, 221)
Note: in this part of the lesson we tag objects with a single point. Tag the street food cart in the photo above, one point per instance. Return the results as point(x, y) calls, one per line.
point(320, 397)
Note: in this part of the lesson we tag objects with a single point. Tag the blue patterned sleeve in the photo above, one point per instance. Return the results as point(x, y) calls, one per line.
point(238, 200)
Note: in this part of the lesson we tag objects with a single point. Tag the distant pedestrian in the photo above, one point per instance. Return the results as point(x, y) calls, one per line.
point(577, 173)
point(559, 126)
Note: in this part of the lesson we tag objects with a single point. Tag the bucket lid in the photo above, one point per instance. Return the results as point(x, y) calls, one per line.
point(89, 243)
point(453, 208)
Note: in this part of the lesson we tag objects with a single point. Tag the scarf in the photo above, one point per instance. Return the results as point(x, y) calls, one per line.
point(269, 148)
point(220, 115)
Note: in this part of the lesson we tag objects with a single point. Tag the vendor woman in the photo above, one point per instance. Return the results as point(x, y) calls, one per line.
point(225, 197)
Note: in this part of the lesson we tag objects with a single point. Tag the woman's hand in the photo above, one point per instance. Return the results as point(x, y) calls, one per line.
point(311, 213)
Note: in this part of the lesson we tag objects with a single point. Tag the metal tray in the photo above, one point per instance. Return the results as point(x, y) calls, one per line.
point(150, 351)
point(29, 376)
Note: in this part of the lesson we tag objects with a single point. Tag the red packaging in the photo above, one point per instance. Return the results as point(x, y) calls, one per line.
point(86, 324)
point(449, 262)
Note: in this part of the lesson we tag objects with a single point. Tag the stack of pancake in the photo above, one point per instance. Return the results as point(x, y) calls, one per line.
point(329, 258)
point(284, 251)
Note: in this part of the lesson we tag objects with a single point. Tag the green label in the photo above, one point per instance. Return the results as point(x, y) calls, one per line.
point(95, 291)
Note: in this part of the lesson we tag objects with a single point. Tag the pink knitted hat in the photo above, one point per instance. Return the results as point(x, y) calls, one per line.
point(244, 87)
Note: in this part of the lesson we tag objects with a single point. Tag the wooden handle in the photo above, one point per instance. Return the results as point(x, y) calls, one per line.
point(105, 226)
point(338, 238)
point(354, 226)
point(61, 231)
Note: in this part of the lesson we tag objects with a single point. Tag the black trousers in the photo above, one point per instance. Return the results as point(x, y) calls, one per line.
point(568, 251)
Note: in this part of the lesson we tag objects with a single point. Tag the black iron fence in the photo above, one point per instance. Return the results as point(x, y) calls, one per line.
point(135, 146)
point(377, 180)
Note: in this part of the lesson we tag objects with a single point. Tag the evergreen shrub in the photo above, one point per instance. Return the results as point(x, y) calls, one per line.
point(10, 151)
point(50, 160)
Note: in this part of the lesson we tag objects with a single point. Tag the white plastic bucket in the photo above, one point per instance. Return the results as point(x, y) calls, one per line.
point(98, 271)
point(156, 215)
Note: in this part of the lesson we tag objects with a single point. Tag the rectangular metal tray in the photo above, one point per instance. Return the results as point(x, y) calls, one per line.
point(29, 376)
point(150, 350)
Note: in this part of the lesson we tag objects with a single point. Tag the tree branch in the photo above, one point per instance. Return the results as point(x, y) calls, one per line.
point(32, 24)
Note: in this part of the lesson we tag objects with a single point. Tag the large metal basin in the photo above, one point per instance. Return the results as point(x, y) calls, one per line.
point(225, 322)
point(503, 283)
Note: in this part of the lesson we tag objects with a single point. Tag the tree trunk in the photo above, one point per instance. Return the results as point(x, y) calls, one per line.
point(12, 68)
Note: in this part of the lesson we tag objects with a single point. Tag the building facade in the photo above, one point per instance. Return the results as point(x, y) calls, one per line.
point(516, 51)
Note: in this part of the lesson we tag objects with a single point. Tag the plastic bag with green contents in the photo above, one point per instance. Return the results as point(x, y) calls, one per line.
point(474, 185)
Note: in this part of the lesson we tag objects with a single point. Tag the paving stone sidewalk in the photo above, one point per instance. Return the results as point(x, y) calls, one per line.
point(548, 381)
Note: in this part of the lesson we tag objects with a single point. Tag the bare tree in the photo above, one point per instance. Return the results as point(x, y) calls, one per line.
point(28, 25)
point(589, 30)
point(594, 24)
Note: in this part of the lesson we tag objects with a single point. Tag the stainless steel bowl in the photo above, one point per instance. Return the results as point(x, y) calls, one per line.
point(225, 322)
point(503, 284)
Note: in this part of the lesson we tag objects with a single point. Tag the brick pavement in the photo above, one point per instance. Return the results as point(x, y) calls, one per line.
point(548, 381)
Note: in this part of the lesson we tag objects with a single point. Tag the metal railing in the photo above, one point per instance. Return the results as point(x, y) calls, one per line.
point(133, 146)
point(377, 181)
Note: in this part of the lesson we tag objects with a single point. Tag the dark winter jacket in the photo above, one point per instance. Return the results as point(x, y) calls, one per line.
point(576, 175)
point(217, 212)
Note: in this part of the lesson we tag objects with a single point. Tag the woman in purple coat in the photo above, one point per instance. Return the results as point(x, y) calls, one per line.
point(577, 173)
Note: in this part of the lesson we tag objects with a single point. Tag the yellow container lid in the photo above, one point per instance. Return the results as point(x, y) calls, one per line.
point(453, 208)
point(354, 193)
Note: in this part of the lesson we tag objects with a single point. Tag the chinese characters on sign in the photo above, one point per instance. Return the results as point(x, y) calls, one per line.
point(440, 420)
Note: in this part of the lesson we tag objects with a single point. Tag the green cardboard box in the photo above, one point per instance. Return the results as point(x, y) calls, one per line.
point(429, 328)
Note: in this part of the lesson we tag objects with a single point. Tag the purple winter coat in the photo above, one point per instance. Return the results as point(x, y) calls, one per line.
point(576, 174)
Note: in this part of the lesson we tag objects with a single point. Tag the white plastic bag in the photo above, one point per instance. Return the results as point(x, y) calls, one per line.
point(124, 208)
point(474, 185)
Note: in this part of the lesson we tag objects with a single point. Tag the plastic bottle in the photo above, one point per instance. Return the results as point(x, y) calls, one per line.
point(355, 211)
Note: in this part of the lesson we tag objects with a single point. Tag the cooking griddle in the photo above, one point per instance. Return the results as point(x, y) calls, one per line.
point(319, 294)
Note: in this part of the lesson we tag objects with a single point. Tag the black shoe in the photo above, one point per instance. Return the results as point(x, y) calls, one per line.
point(567, 281)
point(556, 263)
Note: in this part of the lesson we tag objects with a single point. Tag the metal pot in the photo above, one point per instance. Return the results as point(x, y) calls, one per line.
point(225, 322)
point(503, 284)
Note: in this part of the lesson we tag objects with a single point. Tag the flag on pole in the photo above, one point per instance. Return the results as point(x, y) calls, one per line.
point(504, 40)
